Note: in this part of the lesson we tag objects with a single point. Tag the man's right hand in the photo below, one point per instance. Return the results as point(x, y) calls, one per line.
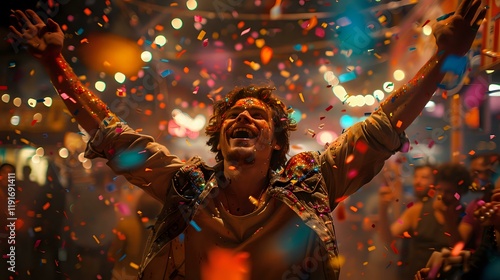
point(43, 40)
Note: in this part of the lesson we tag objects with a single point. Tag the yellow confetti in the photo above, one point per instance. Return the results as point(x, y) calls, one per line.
point(134, 265)
point(38, 229)
point(201, 35)
point(371, 248)
point(377, 55)
point(253, 200)
point(301, 97)
point(96, 239)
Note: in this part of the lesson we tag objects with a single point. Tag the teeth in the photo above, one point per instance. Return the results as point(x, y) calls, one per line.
point(246, 130)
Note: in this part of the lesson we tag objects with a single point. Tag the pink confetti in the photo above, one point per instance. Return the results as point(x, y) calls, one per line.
point(245, 31)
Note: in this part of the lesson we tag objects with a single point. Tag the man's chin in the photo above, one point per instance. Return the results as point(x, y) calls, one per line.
point(241, 155)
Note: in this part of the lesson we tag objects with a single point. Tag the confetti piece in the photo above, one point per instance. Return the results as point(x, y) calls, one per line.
point(201, 35)
point(165, 73)
point(393, 247)
point(253, 200)
point(409, 204)
point(46, 206)
point(266, 53)
point(301, 97)
point(426, 22)
point(96, 239)
point(371, 248)
point(195, 225)
point(134, 265)
point(353, 209)
point(245, 31)
point(349, 159)
point(399, 124)
point(457, 248)
point(87, 11)
point(329, 108)
point(406, 234)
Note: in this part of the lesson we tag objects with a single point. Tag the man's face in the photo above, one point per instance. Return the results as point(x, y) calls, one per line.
point(446, 192)
point(481, 171)
point(423, 178)
point(247, 133)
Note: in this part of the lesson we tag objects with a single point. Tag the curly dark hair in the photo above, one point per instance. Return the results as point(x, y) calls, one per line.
point(456, 174)
point(283, 123)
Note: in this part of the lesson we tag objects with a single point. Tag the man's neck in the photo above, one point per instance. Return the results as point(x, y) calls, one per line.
point(243, 182)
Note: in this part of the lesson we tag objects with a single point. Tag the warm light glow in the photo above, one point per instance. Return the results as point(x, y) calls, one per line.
point(340, 92)
point(32, 102)
point(120, 77)
point(14, 120)
point(81, 157)
point(17, 101)
point(87, 164)
point(378, 94)
point(388, 86)
point(494, 89)
point(35, 159)
point(191, 4)
point(100, 86)
point(6, 97)
point(176, 23)
point(430, 106)
point(63, 152)
point(146, 56)
point(160, 40)
point(47, 101)
point(399, 75)
point(40, 152)
point(427, 30)
point(324, 137)
point(37, 117)
point(369, 100)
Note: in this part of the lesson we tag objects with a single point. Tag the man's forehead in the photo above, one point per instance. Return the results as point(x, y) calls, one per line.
point(250, 102)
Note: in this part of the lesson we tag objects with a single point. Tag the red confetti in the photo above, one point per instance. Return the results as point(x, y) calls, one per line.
point(329, 108)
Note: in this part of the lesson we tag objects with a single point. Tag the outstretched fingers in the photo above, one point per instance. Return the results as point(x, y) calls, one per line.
point(471, 12)
point(463, 8)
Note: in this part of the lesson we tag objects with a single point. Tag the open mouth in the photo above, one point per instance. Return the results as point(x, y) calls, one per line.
point(243, 133)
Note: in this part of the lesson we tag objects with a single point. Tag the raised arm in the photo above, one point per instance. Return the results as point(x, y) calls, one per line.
point(453, 37)
point(45, 41)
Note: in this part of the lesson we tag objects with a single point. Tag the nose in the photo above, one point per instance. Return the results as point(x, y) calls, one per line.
point(243, 117)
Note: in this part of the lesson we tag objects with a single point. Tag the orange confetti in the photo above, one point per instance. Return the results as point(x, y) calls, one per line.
point(353, 209)
point(457, 248)
point(266, 53)
point(472, 152)
point(249, 76)
point(349, 159)
point(96, 239)
point(301, 97)
point(406, 234)
point(84, 40)
point(105, 18)
point(46, 206)
point(87, 11)
point(231, 167)
point(179, 54)
point(159, 27)
point(399, 124)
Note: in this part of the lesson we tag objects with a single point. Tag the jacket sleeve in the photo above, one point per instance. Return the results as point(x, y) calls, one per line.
point(357, 155)
point(142, 161)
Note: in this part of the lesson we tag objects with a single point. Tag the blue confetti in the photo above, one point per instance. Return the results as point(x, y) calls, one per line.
point(80, 31)
point(195, 226)
point(166, 73)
